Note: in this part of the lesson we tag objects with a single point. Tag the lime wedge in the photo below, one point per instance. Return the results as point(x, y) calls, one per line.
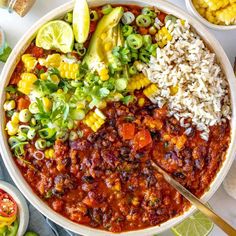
point(81, 20)
point(56, 35)
point(196, 225)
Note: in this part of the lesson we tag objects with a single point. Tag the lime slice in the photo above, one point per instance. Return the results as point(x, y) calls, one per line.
point(56, 35)
point(196, 225)
point(81, 20)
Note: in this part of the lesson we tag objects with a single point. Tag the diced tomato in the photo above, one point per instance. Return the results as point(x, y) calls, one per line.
point(161, 17)
point(143, 30)
point(142, 139)
point(127, 130)
point(22, 103)
point(15, 79)
point(93, 25)
point(8, 206)
point(37, 52)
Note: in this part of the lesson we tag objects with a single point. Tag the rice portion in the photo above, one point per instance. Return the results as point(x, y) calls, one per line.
point(186, 64)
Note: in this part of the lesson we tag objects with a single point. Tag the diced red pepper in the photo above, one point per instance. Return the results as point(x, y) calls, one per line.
point(142, 139)
point(143, 30)
point(127, 130)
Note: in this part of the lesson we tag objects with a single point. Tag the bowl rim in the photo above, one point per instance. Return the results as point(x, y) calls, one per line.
point(193, 10)
point(16, 174)
point(23, 210)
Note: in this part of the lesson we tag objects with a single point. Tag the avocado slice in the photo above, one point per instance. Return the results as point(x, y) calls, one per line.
point(106, 32)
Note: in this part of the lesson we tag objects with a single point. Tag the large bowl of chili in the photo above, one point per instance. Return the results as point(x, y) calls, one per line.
point(16, 174)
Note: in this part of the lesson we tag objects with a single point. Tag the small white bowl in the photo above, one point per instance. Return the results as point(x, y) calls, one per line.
point(23, 210)
point(193, 11)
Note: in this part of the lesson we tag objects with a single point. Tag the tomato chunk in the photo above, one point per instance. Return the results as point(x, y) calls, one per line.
point(127, 130)
point(142, 139)
point(161, 17)
point(22, 103)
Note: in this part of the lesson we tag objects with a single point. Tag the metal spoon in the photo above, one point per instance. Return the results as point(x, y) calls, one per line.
point(228, 229)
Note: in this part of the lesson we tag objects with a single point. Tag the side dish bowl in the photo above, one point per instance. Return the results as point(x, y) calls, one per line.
point(193, 11)
point(23, 211)
point(15, 172)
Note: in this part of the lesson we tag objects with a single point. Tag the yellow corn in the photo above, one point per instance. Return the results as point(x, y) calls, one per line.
point(15, 118)
point(141, 102)
point(29, 62)
point(104, 74)
point(138, 82)
point(135, 201)
point(174, 90)
point(55, 79)
point(12, 128)
point(227, 15)
point(49, 153)
point(214, 5)
point(150, 91)
point(53, 60)
point(43, 76)
point(68, 71)
point(163, 36)
point(210, 16)
point(94, 121)
point(47, 104)
point(25, 85)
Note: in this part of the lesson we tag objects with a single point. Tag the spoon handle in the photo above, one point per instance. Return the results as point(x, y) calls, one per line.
point(227, 228)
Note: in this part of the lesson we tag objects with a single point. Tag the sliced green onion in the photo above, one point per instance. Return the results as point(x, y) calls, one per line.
point(133, 70)
point(147, 11)
point(172, 18)
point(144, 56)
point(62, 135)
point(25, 115)
point(78, 114)
point(70, 124)
point(153, 49)
point(106, 9)
point(31, 133)
point(13, 141)
point(33, 108)
point(73, 136)
point(134, 56)
point(94, 15)
point(147, 40)
point(121, 84)
point(135, 41)
point(47, 133)
point(19, 150)
point(143, 21)
point(24, 129)
point(81, 50)
point(22, 137)
point(68, 17)
point(127, 30)
point(40, 144)
point(128, 18)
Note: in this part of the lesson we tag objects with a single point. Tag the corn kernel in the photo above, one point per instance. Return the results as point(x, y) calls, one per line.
point(15, 118)
point(49, 153)
point(141, 102)
point(135, 201)
point(43, 76)
point(47, 104)
point(12, 128)
point(173, 90)
point(103, 36)
point(29, 62)
point(9, 105)
point(55, 79)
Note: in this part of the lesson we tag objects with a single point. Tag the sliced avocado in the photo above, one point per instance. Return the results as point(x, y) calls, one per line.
point(106, 31)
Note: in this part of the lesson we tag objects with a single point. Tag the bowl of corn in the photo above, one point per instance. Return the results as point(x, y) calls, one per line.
point(216, 14)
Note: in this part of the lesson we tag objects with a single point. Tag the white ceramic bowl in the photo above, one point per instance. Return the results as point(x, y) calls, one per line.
point(23, 211)
point(16, 174)
point(193, 11)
